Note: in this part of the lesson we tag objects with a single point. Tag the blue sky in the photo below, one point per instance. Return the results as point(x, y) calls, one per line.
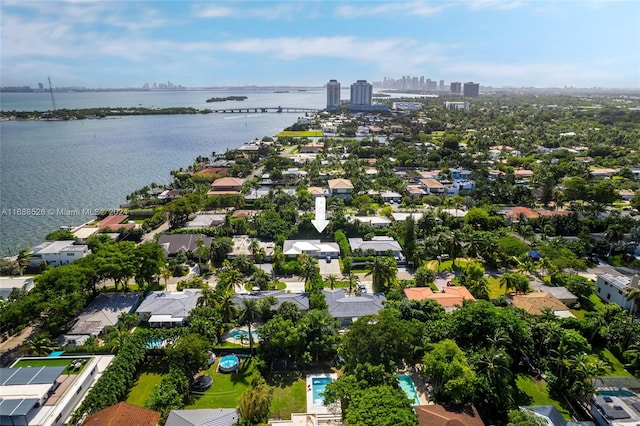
point(225, 43)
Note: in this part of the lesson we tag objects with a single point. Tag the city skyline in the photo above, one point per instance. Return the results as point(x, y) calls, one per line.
point(202, 44)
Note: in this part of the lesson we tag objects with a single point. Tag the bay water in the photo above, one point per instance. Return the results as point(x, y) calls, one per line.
point(57, 173)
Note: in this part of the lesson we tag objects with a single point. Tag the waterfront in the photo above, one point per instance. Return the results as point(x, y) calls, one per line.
point(53, 173)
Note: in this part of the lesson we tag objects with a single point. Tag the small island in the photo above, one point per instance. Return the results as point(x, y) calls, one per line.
point(228, 98)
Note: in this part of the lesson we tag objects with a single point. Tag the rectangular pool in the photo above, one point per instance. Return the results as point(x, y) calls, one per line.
point(317, 389)
point(406, 384)
point(615, 392)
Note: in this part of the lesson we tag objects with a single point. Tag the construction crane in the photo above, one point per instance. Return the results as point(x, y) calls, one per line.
point(53, 101)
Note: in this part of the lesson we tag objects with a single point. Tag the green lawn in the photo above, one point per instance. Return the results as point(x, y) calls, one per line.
point(494, 288)
point(617, 368)
point(535, 393)
point(150, 378)
point(289, 395)
point(49, 362)
point(300, 134)
point(226, 388)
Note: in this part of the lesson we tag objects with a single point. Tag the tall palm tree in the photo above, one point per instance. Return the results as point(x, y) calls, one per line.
point(226, 305)
point(249, 313)
point(207, 297)
point(228, 280)
point(309, 269)
point(354, 280)
point(508, 281)
point(614, 234)
point(166, 274)
point(331, 280)
point(383, 271)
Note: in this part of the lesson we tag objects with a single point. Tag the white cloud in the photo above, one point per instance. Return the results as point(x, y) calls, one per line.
point(275, 10)
point(414, 8)
point(494, 4)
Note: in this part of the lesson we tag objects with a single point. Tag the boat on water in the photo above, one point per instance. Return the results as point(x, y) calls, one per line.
point(281, 91)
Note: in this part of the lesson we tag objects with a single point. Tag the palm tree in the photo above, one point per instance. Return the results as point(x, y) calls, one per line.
point(633, 294)
point(331, 280)
point(226, 305)
point(39, 344)
point(166, 274)
point(354, 280)
point(309, 269)
point(249, 313)
point(508, 281)
point(495, 365)
point(207, 297)
point(614, 234)
point(383, 271)
point(23, 260)
point(228, 280)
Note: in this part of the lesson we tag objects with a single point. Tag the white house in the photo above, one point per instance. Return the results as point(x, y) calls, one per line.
point(379, 245)
point(7, 285)
point(313, 248)
point(58, 253)
point(613, 289)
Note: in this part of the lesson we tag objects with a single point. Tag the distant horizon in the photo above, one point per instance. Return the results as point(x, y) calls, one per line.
point(498, 43)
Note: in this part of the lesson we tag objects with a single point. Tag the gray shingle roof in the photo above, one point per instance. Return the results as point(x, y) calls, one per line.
point(204, 417)
point(341, 306)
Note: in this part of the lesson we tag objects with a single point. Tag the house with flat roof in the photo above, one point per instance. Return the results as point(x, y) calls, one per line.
point(373, 221)
point(553, 416)
point(613, 288)
point(205, 221)
point(450, 298)
point(380, 245)
point(347, 309)
point(46, 395)
point(104, 311)
point(314, 248)
point(8, 284)
point(168, 308)
point(57, 253)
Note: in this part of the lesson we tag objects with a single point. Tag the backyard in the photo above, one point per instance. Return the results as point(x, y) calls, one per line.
point(534, 392)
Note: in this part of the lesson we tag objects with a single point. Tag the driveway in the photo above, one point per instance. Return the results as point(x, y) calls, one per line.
point(331, 268)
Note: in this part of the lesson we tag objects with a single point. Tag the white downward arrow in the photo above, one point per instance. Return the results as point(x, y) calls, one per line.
point(320, 222)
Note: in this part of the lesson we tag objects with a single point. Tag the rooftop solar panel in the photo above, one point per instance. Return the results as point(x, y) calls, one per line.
point(17, 407)
point(29, 375)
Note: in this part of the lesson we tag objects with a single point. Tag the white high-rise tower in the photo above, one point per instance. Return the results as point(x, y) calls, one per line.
point(333, 95)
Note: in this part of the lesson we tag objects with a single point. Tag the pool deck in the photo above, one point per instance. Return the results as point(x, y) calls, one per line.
point(419, 383)
point(322, 409)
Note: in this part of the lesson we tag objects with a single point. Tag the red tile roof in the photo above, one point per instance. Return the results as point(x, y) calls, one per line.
point(439, 415)
point(123, 414)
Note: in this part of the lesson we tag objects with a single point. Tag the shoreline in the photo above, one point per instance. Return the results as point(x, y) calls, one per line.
point(73, 227)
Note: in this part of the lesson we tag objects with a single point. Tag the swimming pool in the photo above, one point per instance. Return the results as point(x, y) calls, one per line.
point(228, 363)
point(615, 392)
point(317, 389)
point(406, 384)
point(155, 344)
point(239, 334)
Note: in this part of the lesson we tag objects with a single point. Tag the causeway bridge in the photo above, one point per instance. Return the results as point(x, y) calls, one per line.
point(237, 110)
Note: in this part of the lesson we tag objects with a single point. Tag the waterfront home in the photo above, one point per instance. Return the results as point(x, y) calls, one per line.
point(8, 284)
point(226, 185)
point(341, 188)
point(168, 308)
point(347, 309)
point(57, 253)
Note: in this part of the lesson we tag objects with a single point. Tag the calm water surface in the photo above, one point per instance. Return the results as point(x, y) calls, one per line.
point(49, 168)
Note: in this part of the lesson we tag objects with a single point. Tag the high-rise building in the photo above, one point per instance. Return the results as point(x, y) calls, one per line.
point(361, 93)
point(471, 90)
point(333, 95)
point(456, 88)
point(441, 86)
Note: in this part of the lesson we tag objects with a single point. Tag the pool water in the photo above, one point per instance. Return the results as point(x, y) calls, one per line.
point(317, 389)
point(239, 334)
point(615, 392)
point(406, 384)
point(228, 363)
